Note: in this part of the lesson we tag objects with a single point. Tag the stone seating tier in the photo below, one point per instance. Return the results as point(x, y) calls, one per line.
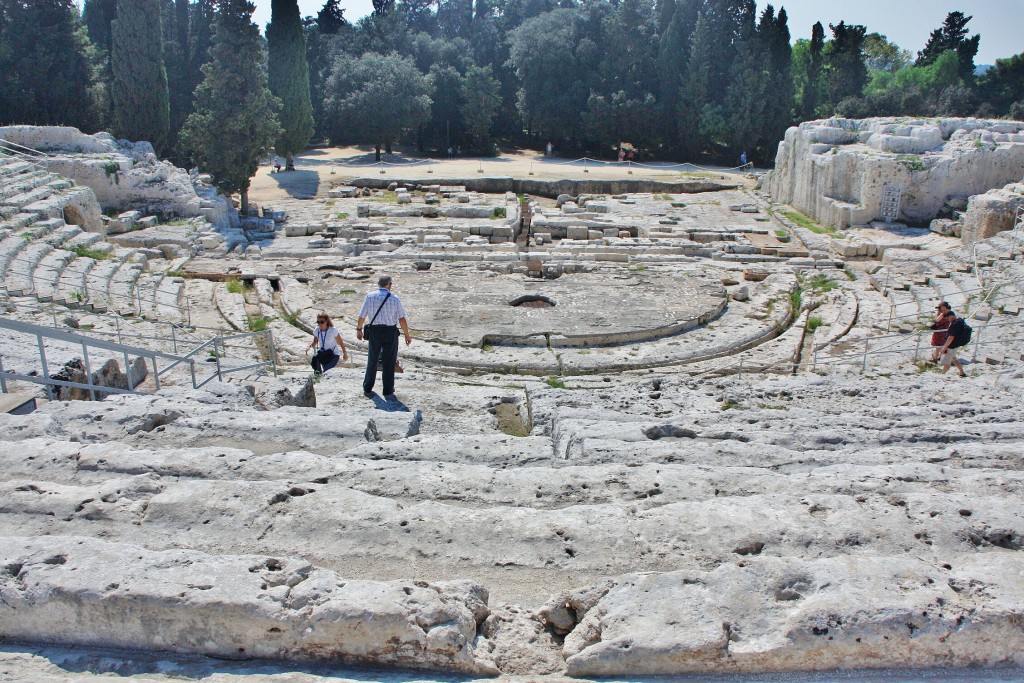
point(831, 514)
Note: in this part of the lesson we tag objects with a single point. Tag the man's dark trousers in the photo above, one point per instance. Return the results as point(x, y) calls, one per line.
point(383, 346)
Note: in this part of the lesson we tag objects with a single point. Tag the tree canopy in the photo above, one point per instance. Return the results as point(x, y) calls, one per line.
point(690, 80)
point(235, 119)
point(141, 107)
point(288, 77)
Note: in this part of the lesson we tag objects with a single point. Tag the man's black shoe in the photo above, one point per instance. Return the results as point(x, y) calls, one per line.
point(368, 394)
point(390, 398)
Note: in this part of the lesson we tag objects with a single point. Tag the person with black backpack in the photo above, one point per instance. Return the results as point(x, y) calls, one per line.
point(958, 334)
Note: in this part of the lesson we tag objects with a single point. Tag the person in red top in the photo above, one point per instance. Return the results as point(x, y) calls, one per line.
point(944, 316)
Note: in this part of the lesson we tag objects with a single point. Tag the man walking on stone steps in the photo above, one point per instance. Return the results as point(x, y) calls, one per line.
point(384, 311)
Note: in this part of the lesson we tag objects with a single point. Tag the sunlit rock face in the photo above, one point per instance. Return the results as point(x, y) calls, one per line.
point(836, 170)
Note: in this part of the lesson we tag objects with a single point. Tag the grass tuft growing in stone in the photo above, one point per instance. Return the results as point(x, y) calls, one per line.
point(85, 252)
point(258, 323)
point(805, 222)
point(555, 382)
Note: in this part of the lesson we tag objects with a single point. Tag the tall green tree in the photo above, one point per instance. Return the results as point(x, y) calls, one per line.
point(673, 58)
point(375, 98)
point(176, 60)
point(813, 85)
point(331, 18)
point(46, 60)
point(138, 87)
point(288, 77)
point(748, 90)
point(845, 71)
point(235, 119)
point(98, 17)
point(551, 54)
point(952, 35)
point(481, 95)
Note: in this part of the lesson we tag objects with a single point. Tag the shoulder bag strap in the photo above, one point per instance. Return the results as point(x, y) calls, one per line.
point(378, 309)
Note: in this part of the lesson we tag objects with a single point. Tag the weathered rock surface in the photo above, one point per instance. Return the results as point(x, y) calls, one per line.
point(993, 212)
point(836, 170)
point(122, 175)
point(770, 614)
point(82, 591)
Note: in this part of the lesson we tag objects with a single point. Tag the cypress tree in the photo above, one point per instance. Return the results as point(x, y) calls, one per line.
point(673, 56)
point(952, 35)
point(289, 78)
point(98, 15)
point(235, 119)
point(45, 59)
point(812, 89)
point(331, 18)
point(748, 87)
point(695, 95)
point(177, 60)
point(779, 114)
point(138, 87)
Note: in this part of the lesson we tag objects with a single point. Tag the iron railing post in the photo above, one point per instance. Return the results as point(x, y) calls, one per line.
point(216, 356)
point(88, 371)
point(273, 352)
point(128, 371)
point(42, 363)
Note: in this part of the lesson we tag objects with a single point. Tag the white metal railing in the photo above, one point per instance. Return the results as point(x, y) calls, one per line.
point(21, 152)
point(986, 294)
point(913, 344)
point(217, 348)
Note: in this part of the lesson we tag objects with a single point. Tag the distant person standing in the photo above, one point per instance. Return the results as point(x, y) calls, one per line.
point(385, 312)
point(743, 159)
point(550, 149)
point(622, 154)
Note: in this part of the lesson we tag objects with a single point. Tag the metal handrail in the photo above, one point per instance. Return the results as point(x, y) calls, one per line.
point(22, 152)
point(219, 343)
point(40, 332)
point(919, 336)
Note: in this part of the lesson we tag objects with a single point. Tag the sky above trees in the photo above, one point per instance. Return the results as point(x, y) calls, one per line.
point(905, 22)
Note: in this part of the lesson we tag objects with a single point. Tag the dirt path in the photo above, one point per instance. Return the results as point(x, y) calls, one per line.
point(317, 170)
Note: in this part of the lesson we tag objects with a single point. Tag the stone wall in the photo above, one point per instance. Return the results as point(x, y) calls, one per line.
point(836, 170)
